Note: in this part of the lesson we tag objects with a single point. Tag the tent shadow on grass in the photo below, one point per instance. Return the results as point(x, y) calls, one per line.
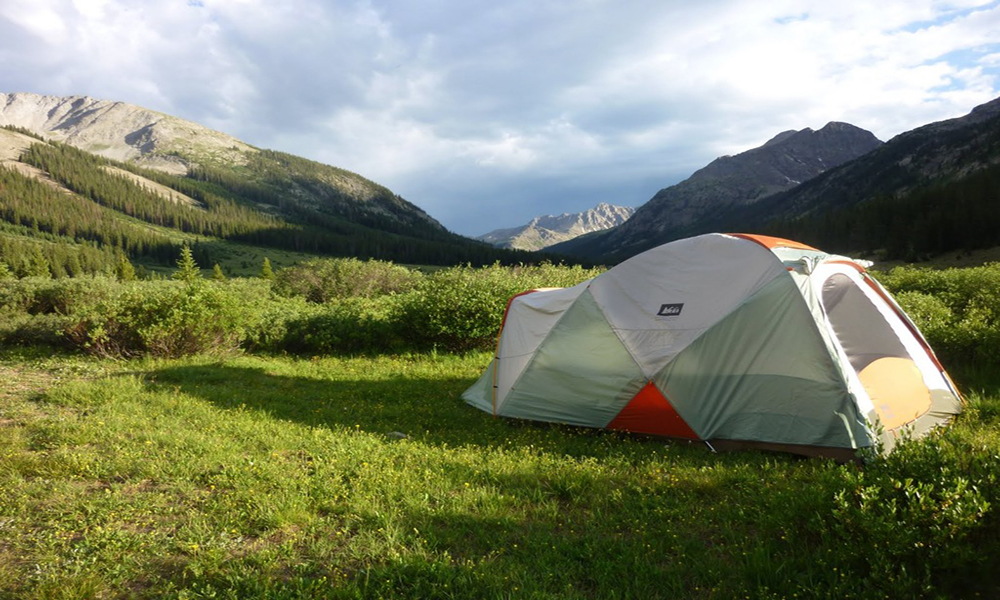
point(427, 410)
point(551, 532)
point(608, 521)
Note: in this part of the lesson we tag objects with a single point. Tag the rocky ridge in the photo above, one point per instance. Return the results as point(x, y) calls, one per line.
point(937, 153)
point(729, 182)
point(121, 131)
point(125, 132)
point(546, 230)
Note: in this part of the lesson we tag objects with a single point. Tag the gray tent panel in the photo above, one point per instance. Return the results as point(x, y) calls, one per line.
point(581, 374)
point(765, 373)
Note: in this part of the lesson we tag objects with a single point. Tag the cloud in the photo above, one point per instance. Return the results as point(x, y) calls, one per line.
point(486, 114)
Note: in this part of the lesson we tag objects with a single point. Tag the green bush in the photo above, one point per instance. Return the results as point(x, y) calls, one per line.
point(324, 280)
point(35, 310)
point(351, 325)
point(958, 310)
point(22, 329)
point(957, 288)
point(935, 320)
point(923, 512)
point(171, 318)
point(66, 296)
point(461, 308)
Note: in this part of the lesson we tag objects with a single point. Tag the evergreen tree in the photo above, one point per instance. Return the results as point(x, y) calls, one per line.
point(217, 273)
point(187, 268)
point(265, 271)
point(125, 271)
point(38, 265)
point(5, 272)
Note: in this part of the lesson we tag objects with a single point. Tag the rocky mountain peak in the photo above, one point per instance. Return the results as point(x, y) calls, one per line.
point(546, 230)
point(784, 135)
point(783, 162)
point(120, 131)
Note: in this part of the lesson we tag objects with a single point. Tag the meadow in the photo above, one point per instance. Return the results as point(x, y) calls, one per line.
point(304, 437)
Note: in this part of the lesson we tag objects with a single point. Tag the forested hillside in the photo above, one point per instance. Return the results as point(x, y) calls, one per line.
point(86, 215)
point(925, 192)
point(962, 214)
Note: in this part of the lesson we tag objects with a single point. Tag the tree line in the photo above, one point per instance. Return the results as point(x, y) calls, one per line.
point(104, 218)
point(946, 216)
point(85, 174)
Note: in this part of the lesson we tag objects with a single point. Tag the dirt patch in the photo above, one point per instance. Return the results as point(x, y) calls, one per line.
point(12, 144)
point(16, 382)
point(160, 190)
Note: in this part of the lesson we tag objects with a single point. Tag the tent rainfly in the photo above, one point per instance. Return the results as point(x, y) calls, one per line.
point(736, 340)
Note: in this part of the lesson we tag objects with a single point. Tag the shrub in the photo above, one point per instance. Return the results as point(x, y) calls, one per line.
point(43, 295)
point(461, 308)
point(958, 310)
point(936, 321)
point(351, 325)
point(170, 318)
point(925, 512)
point(324, 280)
point(26, 330)
point(35, 310)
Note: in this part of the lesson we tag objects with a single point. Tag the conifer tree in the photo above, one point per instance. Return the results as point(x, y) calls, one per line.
point(125, 271)
point(217, 274)
point(38, 265)
point(5, 272)
point(265, 271)
point(187, 268)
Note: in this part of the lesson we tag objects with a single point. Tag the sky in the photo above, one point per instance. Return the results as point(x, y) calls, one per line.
point(488, 113)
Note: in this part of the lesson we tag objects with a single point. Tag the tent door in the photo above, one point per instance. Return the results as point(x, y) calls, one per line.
point(887, 371)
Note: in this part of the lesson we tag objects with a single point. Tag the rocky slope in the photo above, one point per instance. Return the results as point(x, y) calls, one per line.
point(126, 132)
point(924, 193)
point(935, 153)
point(544, 231)
point(729, 182)
point(120, 131)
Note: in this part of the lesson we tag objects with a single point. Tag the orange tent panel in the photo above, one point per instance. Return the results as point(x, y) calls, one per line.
point(649, 411)
point(771, 242)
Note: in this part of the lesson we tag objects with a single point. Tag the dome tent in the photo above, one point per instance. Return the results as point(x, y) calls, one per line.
point(737, 340)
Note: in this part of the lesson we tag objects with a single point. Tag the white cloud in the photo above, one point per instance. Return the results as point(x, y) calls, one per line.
point(485, 112)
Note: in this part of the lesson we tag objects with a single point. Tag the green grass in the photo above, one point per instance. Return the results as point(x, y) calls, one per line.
point(271, 477)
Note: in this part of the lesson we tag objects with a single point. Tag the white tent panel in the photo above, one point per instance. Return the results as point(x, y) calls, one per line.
point(581, 374)
point(660, 301)
point(529, 319)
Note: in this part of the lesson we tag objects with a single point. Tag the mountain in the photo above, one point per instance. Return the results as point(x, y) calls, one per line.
point(544, 231)
point(125, 132)
point(89, 181)
point(728, 182)
point(926, 191)
point(121, 131)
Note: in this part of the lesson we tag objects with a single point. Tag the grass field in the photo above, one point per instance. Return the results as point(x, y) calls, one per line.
point(272, 477)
